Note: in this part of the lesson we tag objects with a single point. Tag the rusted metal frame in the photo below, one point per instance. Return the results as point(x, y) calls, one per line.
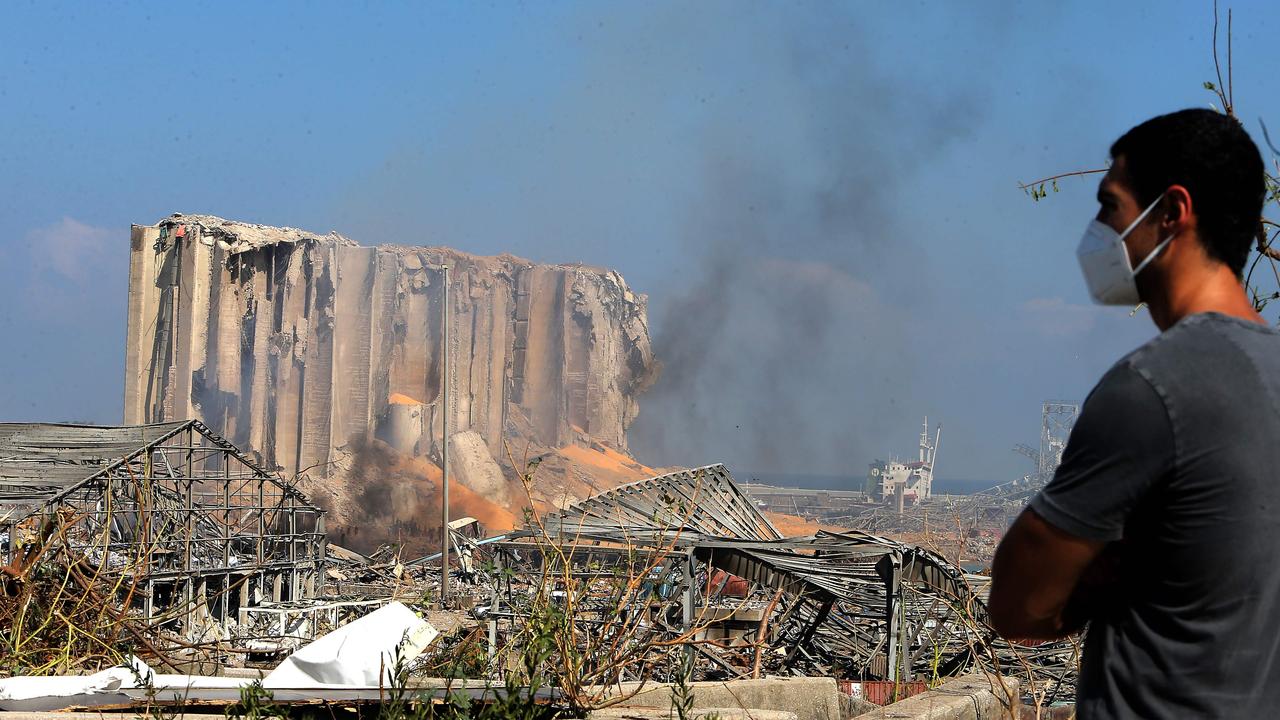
point(890, 569)
point(683, 495)
point(189, 520)
point(226, 542)
point(637, 514)
point(164, 455)
point(721, 496)
point(841, 555)
point(721, 662)
point(728, 514)
point(190, 532)
point(823, 611)
point(189, 447)
point(261, 523)
point(577, 559)
point(293, 556)
point(939, 623)
point(106, 489)
point(234, 452)
point(738, 511)
point(736, 503)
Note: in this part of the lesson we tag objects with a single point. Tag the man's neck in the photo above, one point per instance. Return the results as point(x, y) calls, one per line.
point(1212, 289)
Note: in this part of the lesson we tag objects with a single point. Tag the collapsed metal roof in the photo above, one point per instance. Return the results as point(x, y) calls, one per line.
point(868, 605)
point(40, 460)
point(40, 463)
point(702, 502)
point(170, 520)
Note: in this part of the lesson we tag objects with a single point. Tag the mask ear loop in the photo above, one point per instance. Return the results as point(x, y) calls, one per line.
point(1141, 217)
point(1154, 254)
point(1159, 249)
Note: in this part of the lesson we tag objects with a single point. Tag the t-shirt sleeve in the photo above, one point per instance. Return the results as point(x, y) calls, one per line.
point(1120, 450)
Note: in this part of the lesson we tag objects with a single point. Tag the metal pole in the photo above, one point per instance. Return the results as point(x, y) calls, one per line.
point(493, 640)
point(687, 612)
point(226, 542)
point(893, 592)
point(444, 443)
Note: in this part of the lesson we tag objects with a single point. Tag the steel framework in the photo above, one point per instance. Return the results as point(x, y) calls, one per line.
point(192, 520)
point(1057, 419)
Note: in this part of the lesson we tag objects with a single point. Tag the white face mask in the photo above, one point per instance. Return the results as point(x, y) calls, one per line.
point(1104, 260)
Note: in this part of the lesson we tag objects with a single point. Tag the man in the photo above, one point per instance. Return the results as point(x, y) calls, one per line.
point(1161, 528)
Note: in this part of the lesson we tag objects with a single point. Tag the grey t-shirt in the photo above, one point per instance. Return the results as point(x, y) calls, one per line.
point(1175, 458)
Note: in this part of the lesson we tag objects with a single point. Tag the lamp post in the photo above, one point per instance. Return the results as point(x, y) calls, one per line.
point(444, 443)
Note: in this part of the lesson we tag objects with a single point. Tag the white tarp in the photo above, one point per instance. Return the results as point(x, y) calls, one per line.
point(352, 658)
point(37, 694)
point(360, 654)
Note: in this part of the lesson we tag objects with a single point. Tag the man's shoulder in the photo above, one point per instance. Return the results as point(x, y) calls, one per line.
point(1199, 335)
point(1190, 331)
point(1205, 361)
point(1136, 366)
point(1158, 362)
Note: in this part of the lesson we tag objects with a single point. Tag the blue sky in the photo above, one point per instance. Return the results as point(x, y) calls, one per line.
point(820, 199)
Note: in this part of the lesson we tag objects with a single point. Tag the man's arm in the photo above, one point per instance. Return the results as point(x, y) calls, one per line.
point(1036, 577)
point(1047, 570)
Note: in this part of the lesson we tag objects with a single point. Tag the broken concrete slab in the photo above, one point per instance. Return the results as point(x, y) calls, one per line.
point(974, 697)
point(474, 466)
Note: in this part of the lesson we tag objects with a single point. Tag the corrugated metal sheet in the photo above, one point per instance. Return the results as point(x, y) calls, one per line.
point(39, 460)
point(882, 692)
point(703, 501)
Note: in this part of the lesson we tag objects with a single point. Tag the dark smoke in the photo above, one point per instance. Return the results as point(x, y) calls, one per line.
point(390, 498)
point(791, 344)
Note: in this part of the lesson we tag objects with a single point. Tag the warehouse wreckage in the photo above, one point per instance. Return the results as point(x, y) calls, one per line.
point(677, 573)
point(203, 533)
point(685, 565)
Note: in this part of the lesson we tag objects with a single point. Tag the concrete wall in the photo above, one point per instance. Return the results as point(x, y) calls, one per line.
point(808, 698)
point(975, 697)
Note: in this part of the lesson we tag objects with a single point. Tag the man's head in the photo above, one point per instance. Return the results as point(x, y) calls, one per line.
point(1207, 174)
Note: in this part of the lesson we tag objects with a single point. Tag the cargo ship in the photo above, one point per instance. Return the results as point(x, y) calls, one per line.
point(906, 483)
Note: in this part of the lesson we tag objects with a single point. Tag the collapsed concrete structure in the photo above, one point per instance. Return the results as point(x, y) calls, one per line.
point(305, 348)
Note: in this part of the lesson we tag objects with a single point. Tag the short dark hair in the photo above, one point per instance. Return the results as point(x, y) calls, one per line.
point(1212, 156)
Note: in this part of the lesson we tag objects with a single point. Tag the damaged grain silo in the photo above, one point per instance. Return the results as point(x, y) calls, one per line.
point(324, 359)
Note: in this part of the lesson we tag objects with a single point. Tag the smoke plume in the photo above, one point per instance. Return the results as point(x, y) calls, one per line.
point(790, 343)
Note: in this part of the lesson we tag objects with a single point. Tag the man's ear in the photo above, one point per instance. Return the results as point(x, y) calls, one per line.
point(1179, 213)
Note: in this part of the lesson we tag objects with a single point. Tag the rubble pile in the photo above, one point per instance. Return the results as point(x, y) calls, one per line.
point(676, 578)
point(682, 573)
